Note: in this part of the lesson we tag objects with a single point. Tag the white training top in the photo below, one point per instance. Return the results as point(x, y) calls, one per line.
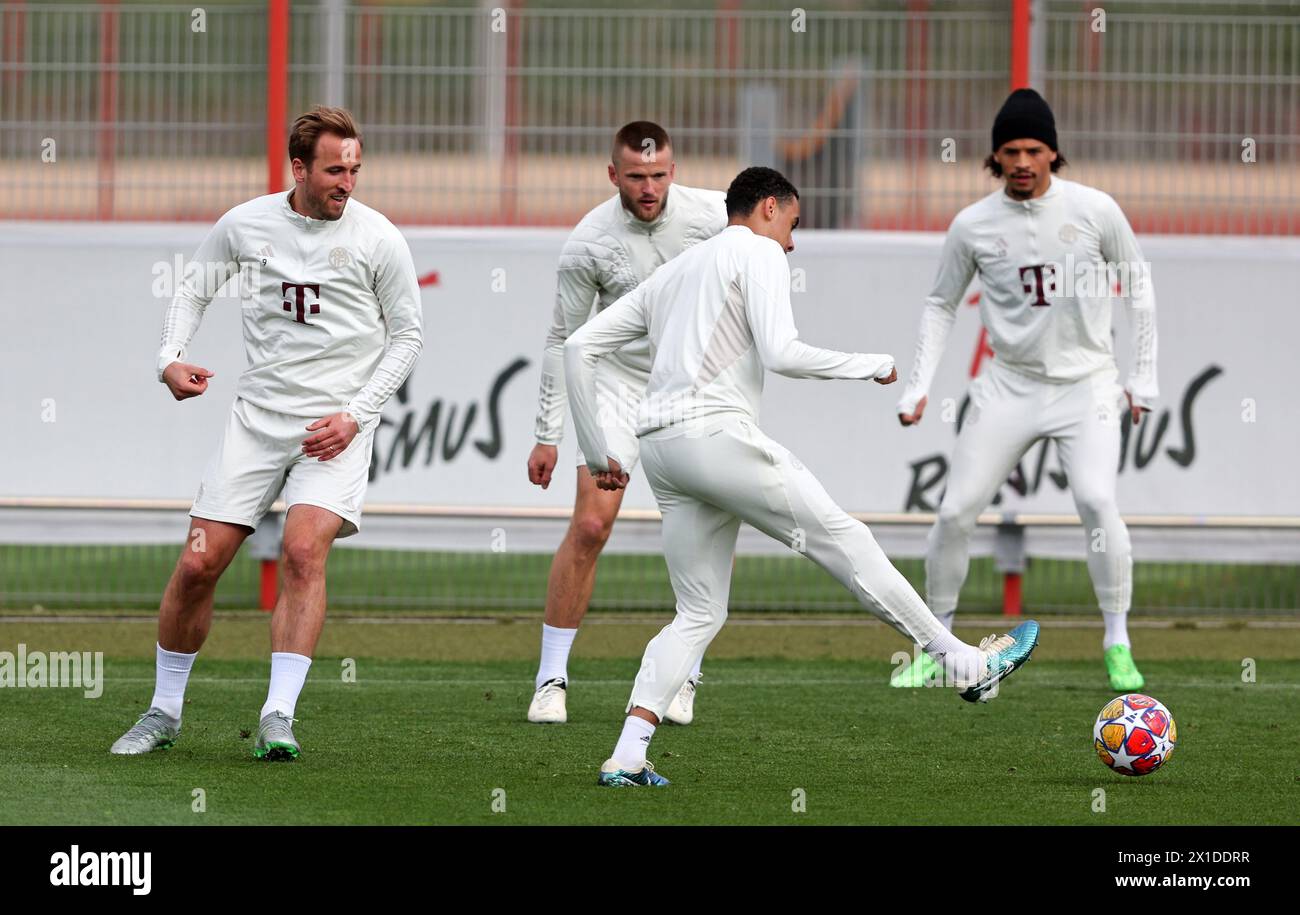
point(716, 316)
point(1046, 291)
point(608, 254)
point(318, 297)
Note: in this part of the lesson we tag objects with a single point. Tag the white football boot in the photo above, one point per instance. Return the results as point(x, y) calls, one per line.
point(548, 706)
point(682, 709)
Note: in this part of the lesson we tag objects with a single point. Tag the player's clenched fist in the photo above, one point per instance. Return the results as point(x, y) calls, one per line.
point(185, 380)
point(910, 419)
point(893, 376)
point(612, 479)
point(541, 464)
point(333, 435)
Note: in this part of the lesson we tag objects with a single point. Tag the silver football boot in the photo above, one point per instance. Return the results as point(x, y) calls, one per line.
point(275, 738)
point(156, 730)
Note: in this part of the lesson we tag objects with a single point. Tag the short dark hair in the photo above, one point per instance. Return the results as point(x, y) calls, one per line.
point(634, 137)
point(308, 127)
point(758, 183)
point(992, 164)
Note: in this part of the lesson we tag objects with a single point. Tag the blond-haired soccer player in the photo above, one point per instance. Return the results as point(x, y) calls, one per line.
point(332, 326)
point(615, 247)
point(1048, 253)
point(718, 318)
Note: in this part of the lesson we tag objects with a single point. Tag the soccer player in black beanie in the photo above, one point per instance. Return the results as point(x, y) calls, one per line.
point(1048, 253)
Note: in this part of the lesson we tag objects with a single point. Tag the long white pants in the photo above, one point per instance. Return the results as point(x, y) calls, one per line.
point(1007, 414)
point(710, 474)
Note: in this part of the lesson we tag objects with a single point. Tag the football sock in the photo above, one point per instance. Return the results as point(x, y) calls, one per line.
point(1116, 629)
point(632, 744)
point(288, 674)
point(173, 673)
point(960, 662)
point(556, 643)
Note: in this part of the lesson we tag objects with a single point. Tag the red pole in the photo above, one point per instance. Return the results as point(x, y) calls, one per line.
point(1011, 594)
point(1019, 44)
point(277, 91)
point(107, 140)
point(270, 571)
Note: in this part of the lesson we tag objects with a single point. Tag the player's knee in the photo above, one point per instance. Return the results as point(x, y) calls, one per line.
point(697, 624)
point(1095, 507)
point(954, 518)
point(197, 569)
point(591, 530)
point(302, 559)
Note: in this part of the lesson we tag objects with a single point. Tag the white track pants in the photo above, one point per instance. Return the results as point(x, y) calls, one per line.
point(1007, 414)
point(710, 474)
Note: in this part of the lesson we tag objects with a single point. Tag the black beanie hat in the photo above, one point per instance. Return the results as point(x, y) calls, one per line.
point(1024, 115)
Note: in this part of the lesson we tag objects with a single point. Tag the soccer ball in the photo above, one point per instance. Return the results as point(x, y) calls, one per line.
point(1135, 735)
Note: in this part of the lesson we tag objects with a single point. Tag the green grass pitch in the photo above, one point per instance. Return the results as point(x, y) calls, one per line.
point(791, 715)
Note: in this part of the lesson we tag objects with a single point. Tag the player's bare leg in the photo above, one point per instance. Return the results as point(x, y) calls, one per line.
point(568, 593)
point(184, 618)
point(296, 624)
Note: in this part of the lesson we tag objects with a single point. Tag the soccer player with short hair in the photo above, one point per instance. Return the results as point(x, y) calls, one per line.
point(332, 326)
point(1048, 253)
point(616, 246)
point(718, 317)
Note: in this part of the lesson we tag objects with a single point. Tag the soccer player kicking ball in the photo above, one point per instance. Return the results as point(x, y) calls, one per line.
point(1048, 253)
point(614, 247)
point(324, 280)
point(718, 317)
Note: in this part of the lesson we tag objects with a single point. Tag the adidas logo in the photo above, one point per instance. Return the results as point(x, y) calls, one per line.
point(266, 252)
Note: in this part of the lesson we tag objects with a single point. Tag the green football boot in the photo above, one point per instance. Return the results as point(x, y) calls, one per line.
point(1124, 675)
point(275, 740)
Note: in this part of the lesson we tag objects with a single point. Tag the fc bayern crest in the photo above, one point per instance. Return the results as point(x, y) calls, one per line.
point(340, 257)
point(1068, 234)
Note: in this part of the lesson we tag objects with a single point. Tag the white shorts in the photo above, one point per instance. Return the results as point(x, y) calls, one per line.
point(260, 456)
point(619, 390)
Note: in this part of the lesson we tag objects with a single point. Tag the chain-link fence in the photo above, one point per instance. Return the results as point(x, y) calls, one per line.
point(1188, 112)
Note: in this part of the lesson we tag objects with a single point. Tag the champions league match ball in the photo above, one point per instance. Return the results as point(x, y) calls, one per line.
point(1134, 735)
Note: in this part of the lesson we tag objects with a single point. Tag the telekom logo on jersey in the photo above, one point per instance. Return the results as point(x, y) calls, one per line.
point(300, 299)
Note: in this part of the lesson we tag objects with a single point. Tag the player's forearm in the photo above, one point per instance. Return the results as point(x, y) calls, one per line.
point(1141, 384)
point(182, 320)
point(399, 359)
point(580, 358)
point(797, 359)
point(552, 396)
point(936, 324)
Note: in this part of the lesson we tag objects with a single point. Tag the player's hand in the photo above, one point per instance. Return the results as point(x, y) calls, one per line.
point(541, 464)
point(612, 479)
point(911, 419)
point(333, 435)
point(185, 380)
point(893, 376)
point(1134, 411)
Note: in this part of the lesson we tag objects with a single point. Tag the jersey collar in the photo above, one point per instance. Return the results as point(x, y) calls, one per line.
point(664, 217)
point(1053, 191)
point(306, 222)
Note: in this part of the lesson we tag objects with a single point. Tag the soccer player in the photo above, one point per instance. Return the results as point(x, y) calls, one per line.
point(615, 247)
point(718, 316)
point(324, 280)
point(1048, 253)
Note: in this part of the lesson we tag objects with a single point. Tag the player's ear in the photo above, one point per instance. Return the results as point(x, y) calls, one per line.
point(613, 175)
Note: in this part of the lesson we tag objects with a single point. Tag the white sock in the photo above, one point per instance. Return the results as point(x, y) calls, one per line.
point(959, 661)
point(556, 643)
point(1116, 629)
point(288, 674)
point(632, 744)
point(695, 671)
point(946, 619)
point(172, 674)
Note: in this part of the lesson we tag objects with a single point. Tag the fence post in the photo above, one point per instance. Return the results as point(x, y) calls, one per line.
point(1019, 44)
point(106, 147)
point(277, 91)
point(1009, 559)
point(335, 27)
point(264, 544)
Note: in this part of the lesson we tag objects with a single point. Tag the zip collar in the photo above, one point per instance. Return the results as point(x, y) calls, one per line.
point(1053, 191)
point(306, 222)
point(664, 217)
